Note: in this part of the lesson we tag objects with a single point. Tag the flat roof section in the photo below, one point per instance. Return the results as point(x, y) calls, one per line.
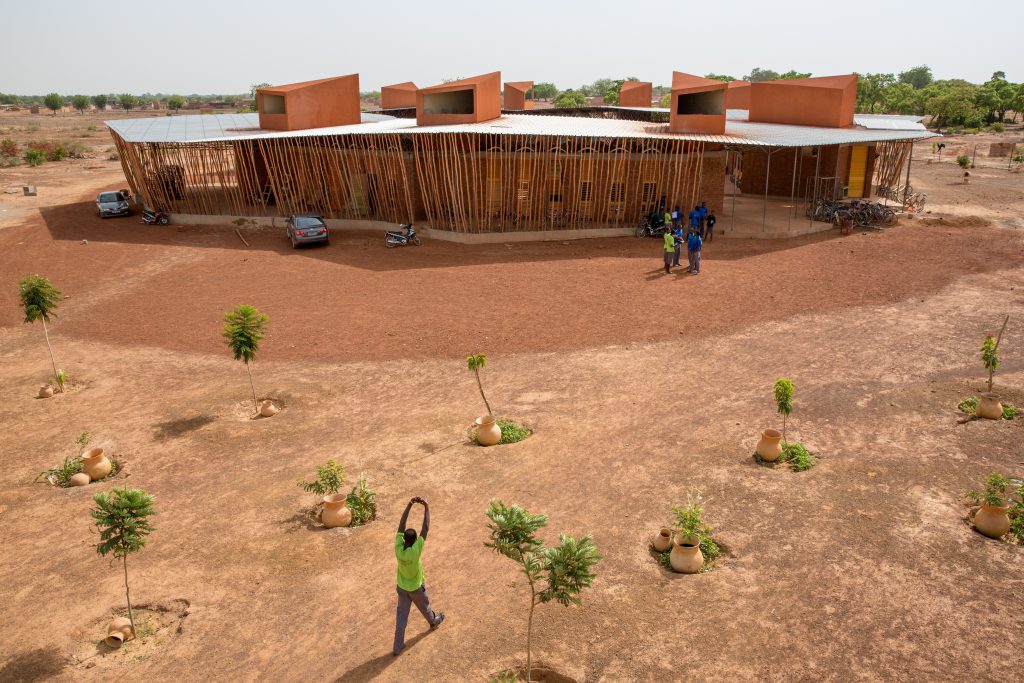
point(738, 131)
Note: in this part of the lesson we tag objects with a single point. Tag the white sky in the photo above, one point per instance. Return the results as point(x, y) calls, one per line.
point(224, 46)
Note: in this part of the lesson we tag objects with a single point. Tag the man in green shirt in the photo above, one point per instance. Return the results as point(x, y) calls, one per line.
point(669, 247)
point(408, 549)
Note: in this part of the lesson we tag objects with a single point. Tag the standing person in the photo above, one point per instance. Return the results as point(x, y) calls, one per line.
point(693, 246)
point(411, 589)
point(703, 210)
point(677, 216)
point(677, 236)
point(711, 220)
point(668, 221)
point(669, 247)
point(695, 218)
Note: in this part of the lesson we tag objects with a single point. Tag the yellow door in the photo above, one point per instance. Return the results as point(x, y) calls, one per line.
point(858, 165)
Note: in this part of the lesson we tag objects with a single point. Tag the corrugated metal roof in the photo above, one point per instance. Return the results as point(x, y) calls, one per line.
point(738, 132)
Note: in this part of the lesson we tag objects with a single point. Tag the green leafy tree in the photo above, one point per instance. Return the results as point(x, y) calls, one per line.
point(611, 95)
point(555, 574)
point(871, 90)
point(122, 519)
point(476, 363)
point(53, 102)
point(40, 299)
point(990, 352)
point(791, 74)
point(952, 103)
point(545, 91)
point(784, 401)
point(919, 77)
point(175, 102)
point(570, 98)
point(758, 74)
point(100, 101)
point(901, 98)
point(666, 101)
point(127, 101)
point(720, 77)
point(996, 97)
point(243, 329)
point(80, 102)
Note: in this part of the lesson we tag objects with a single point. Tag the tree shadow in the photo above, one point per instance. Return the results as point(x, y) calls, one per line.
point(34, 665)
point(372, 668)
point(174, 428)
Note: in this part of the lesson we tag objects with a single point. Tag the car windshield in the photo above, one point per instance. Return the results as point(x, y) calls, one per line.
point(307, 222)
point(110, 197)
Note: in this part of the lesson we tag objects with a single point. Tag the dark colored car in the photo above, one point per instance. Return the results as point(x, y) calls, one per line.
point(110, 204)
point(306, 229)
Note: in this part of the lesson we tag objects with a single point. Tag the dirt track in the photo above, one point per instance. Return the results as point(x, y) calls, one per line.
point(639, 386)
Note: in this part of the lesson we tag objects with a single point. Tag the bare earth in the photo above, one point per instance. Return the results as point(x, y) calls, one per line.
point(639, 387)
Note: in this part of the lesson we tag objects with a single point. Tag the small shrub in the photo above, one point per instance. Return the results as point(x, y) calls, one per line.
point(362, 501)
point(964, 161)
point(59, 153)
point(798, 457)
point(76, 149)
point(83, 440)
point(35, 157)
point(511, 432)
point(690, 517)
point(8, 162)
point(997, 127)
point(970, 406)
point(9, 148)
point(61, 475)
point(330, 477)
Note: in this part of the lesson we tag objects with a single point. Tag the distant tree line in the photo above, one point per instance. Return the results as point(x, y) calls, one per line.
point(56, 102)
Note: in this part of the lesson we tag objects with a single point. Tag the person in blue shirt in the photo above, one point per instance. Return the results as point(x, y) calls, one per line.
point(695, 218)
point(709, 230)
point(677, 234)
point(693, 245)
point(703, 211)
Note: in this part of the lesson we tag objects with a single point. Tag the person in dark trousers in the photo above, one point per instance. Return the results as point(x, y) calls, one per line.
point(677, 216)
point(669, 249)
point(695, 218)
point(411, 589)
point(703, 211)
point(693, 245)
point(677, 235)
point(709, 231)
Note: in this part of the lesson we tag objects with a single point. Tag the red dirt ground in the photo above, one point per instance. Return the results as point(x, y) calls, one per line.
point(639, 386)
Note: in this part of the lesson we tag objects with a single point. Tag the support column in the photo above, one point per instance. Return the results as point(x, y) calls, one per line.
point(767, 174)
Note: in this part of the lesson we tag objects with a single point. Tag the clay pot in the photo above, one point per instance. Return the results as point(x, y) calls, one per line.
point(992, 520)
point(663, 541)
point(95, 464)
point(118, 631)
point(989, 407)
point(770, 446)
point(46, 391)
point(335, 511)
point(686, 557)
point(268, 409)
point(80, 479)
point(488, 432)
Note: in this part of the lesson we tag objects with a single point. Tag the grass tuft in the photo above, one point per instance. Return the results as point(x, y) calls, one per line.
point(798, 457)
point(511, 432)
point(969, 406)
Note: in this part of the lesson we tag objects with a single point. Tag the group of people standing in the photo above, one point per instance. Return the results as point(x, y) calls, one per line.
point(701, 227)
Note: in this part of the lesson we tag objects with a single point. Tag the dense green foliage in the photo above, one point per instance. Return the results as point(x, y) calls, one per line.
point(362, 501)
point(1002, 490)
point(243, 329)
point(39, 298)
point(100, 101)
point(570, 98)
point(175, 102)
point(53, 102)
point(798, 457)
point(544, 91)
point(330, 477)
point(80, 102)
point(127, 101)
point(690, 517)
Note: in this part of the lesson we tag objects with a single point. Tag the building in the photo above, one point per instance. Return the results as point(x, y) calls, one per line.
point(516, 95)
point(398, 96)
point(636, 94)
point(465, 171)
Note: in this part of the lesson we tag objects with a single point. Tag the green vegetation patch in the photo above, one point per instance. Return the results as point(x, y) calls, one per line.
point(969, 406)
point(511, 432)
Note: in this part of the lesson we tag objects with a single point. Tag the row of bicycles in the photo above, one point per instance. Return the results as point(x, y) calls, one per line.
point(855, 212)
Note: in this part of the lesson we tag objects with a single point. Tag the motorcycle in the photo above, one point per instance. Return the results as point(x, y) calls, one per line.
point(402, 237)
point(652, 226)
point(158, 216)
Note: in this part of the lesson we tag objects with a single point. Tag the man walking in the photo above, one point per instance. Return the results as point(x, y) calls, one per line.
point(677, 236)
point(669, 247)
point(711, 220)
point(693, 245)
point(411, 589)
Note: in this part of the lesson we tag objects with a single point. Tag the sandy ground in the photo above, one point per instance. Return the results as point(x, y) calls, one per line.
point(640, 387)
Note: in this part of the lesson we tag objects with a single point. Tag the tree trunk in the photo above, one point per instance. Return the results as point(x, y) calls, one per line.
point(481, 387)
point(252, 386)
point(999, 338)
point(56, 376)
point(529, 633)
point(784, 416)
point(127, 595)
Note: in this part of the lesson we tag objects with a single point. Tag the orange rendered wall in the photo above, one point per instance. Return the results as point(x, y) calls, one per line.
point(800, 103)
point(398, 97)
point(635, 94)
point(515, 98)
point(316, 104)
point(737, 95)
point(486, 101)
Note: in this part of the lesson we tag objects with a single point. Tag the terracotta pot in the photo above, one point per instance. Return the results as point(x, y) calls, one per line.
point(95, 464)
point(770, 446)
point(45, 391)
point(989, 407)
point(268, 409)
point(686, 558)
point(488, 432)
point(335, 512)
point(992, 520)
point(663, 541)
point(118, 631)
point(80, 479)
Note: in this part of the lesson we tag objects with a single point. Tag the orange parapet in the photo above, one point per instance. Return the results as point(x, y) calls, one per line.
point(311, 104)
point(398, 96)
point(697, 105)
point(469, 100)
point(515, 95)
point(827, 101)
point(635, 94)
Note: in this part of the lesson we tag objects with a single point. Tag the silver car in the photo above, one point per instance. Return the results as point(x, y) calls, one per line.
point(306, 229)
point(110, 204)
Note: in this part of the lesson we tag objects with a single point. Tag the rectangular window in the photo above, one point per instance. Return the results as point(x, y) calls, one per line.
point(648, 194)
point(452, 102)
point(701, 103)
point(617, 192)
point(586, 191)
point(272, 104)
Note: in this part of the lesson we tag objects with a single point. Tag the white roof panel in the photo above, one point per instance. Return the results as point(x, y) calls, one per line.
point(738, 131)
